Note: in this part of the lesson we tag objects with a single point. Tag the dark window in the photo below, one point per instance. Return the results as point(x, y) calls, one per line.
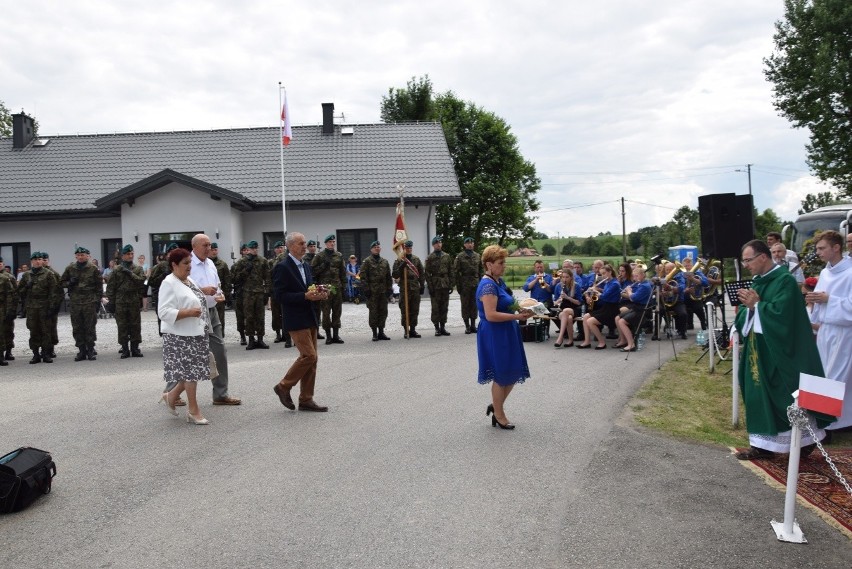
point(355, 242)
point(269, 240)
point(15, 254)
point(110, 251)
point(161, 241)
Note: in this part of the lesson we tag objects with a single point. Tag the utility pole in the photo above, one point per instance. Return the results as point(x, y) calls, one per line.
point(749, 178)
point(623, 232)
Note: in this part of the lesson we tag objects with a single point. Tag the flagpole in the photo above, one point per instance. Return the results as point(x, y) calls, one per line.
point(281, 152)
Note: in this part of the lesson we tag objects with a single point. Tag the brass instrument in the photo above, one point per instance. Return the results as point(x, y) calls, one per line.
point(713, 272)
point(696, 291)
point(671, 286)
point(594, 293)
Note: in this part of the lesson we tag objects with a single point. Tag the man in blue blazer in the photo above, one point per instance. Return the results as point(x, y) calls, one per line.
point(291, 280)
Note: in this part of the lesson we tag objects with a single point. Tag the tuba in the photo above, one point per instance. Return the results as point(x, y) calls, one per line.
point(696, 291)
point(713, 272)
point(670, 286)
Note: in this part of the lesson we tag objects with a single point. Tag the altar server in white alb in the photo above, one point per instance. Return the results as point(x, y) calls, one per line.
point(832, 317)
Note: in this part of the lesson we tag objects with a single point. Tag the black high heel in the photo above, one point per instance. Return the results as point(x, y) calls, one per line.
point(496, 423)
point(489, 409)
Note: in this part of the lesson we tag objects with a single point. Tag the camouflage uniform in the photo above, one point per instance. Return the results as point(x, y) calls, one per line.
point(440, 279)
point(277, 324)
point(252, 277)
point(468, 270)
point(377, 287)
point(124, 291)
point(85, 288)
point(42, 299)
point(225, 282)
point(155, 280)
point(8, 312)
point(329, 269)
point(54, 321)
point(309, 258)
point(416, 277)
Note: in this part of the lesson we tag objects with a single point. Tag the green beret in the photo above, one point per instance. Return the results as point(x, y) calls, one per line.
point(243, 246)
point(409, 243)
point(171, 247)
point(437, 239)
point(252, 244)
point(126, 249)
point(278, 244)
point(468, 239)
point(312, 243)
point(44, 255)
point(214, 245)
point(374, 244)
point(81, 250)
point(35, 255)
point(329, 237)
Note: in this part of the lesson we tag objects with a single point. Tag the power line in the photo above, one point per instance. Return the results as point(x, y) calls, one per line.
point(605, 172)
point(575, 206)
point(599, 183)
point(654, 205)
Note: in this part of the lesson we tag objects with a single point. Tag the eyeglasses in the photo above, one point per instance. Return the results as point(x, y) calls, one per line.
point(747, 260)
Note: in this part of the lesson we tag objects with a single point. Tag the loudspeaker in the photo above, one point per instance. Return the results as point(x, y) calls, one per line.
point(745, 220)
point(720, 235)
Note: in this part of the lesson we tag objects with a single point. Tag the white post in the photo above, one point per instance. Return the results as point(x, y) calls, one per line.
point(735, 379)
point(281, 152)
point(710, 314)
point(789, 530)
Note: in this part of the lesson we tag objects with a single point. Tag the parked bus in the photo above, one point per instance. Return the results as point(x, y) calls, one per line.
point(837, 217)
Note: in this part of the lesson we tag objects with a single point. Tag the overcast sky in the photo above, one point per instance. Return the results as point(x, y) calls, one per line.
point(657, 102)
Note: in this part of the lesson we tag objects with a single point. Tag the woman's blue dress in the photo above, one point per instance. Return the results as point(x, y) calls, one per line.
point(499, 344)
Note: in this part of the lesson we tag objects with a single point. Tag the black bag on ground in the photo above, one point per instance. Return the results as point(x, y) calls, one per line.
point(25, 474)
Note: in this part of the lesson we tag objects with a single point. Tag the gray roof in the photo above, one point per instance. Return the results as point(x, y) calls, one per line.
point(94, 173)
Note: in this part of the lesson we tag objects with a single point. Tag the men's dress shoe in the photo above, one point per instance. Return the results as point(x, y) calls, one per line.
point(228, 401)
point(3, 362)
point(284, 396)
point(312, 406)
point(320, 336)
point(288, 344)
point(752, 453)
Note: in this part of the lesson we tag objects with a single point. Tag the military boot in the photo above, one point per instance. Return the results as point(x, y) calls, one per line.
point(328, 337)
point(375, 333)
point(473, 328)
point(412, 333)
point(81, 354)
point(251, 343)
point(438, 330)
point(91, 354)
point(444, 329)
point(288, 341)
point(260, 344)
point(320, 336)
point(278, 339)
point(382, 335)
point(46, 356)
point(8, 355)
point(36, 357)
point(3, 361)
point(135, 351)
point(467, 326)
point(337, 338)
point(242, 338)
point(125, 351)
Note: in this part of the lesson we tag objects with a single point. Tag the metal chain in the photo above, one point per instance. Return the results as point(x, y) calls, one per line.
point(712, 331)
point(799, 416)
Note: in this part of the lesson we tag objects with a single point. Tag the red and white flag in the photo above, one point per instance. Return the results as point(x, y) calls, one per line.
point(821, 394)
point(400, 236)
point(285, 118)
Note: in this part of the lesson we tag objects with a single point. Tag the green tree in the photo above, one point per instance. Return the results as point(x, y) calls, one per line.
point(540, 235)
point(414, 103)
point(498, 186)
point(686, 226)
point(548, 250)
point(812, 202)
point(766, 222)
point(5, 121)
point(590, 247)
point(811, 69)
point(569, 248)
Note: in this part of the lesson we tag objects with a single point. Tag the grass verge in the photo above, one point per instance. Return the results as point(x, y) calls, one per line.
point(683, 399)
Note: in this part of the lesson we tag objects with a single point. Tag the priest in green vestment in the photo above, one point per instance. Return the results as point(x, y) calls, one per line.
point(778, 345)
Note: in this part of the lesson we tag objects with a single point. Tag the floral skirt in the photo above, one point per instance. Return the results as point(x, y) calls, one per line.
point(186, 358)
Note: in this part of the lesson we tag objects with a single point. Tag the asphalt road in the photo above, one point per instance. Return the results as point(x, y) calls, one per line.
point(404, 471)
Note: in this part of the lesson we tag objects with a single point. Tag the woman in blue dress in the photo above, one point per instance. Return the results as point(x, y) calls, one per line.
point(502, 360)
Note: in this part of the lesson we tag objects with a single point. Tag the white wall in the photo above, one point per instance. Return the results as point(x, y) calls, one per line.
point(60, 237)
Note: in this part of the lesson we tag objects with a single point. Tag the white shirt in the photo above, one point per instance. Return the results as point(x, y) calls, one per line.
point(204, 274)
point(301, 266)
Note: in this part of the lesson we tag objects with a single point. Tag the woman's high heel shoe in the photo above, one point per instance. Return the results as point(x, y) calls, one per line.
point(489, 409)
point(191, 419)
point(169, 408)
point(496, 423)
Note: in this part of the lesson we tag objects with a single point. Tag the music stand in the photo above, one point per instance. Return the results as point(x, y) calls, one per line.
point(732, 288)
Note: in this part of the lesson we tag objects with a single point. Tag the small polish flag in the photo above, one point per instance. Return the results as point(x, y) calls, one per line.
point(285, 118)
point(821, 394)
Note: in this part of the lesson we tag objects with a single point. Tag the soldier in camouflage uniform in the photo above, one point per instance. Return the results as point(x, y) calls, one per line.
point(155, 280)
point(54, 322)
point(281, 335)
point(239, 313)
point(377, 288)
point(409, 270)
point(468, 270)
point(330, 269)
point(440, 278)
point(124, 291)
point(8, 311)
point(85, 288)
point(308, 258)
point(252, 276)
point(224, 281)
point(42, 296)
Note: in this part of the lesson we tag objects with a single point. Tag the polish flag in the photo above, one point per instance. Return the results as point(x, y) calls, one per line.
point(285, 117)
point(400, 236)
point(821, 394)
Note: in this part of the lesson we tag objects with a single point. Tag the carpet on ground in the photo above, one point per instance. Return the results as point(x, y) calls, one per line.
point(818, 488)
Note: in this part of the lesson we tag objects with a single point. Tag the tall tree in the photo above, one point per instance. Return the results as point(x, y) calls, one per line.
point(816, 201)
point(811, 69)
point(5, 121)
point(414, 103)
point(498, 186)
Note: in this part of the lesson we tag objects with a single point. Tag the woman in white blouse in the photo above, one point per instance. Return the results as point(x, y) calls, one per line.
point(186, 353)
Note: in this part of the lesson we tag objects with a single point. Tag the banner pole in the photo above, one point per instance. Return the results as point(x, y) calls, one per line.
point(789, 530)
point(281, 152)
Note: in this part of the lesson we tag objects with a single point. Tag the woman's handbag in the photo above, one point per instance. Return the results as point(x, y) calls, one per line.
point(214, 371)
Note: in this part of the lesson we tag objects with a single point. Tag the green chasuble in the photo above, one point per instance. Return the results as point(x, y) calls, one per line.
point(771, 361)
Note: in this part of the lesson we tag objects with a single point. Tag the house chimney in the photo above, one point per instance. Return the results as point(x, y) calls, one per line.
point(328, 118)
point(22, 130)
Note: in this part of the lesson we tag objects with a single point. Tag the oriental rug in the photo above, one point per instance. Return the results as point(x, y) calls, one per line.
point(818, 488)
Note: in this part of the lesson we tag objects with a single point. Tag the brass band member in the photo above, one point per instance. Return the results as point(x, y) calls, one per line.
point(604, 298)
point(693, 301)
point(637, 296)
point(567, 297)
